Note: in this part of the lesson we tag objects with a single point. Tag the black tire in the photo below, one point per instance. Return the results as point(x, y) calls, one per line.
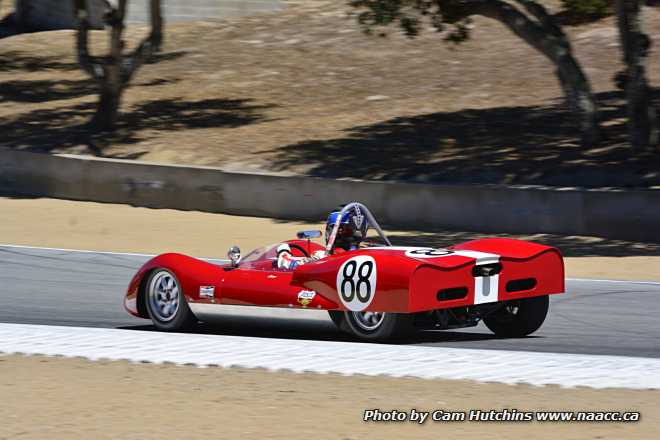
point(181, 319)
point(392, 328)
point(338, 319)
point(519, 318)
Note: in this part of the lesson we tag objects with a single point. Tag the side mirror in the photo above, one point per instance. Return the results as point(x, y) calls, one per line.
point(234, 255)
point(308, 235)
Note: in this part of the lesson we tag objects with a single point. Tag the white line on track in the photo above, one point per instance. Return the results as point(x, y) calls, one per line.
point(593, 280)
point(300, 356)
point(80, 251)
point(652, 283)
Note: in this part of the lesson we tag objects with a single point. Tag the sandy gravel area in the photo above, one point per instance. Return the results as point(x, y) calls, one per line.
point(122, 228)
point(71, 399)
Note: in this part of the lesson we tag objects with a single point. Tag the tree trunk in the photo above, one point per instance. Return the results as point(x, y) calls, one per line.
point(107, 73)
point(642, 116)
point(546, 37)
point(82, 40)
point(156, 15)
point(107, 109)
point(112, 86)
point(114, 72)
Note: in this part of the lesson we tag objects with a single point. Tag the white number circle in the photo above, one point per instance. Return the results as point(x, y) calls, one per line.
point(428, 253)
point(356, 282)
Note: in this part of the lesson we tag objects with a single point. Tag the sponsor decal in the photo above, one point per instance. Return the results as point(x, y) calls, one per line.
point(206, 291)
point(428, 253)
point(480, 257)
point(356, 282)
point(305, 297)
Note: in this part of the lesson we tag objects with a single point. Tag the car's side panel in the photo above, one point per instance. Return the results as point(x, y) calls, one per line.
point(260, 287)
point(191, 273)
point(393, 275)
point(267, 288)
point(260, 283)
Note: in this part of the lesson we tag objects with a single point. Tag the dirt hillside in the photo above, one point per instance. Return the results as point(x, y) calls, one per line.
point(305, 91)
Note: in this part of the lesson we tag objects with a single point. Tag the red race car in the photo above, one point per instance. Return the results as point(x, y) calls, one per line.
point(375, 293)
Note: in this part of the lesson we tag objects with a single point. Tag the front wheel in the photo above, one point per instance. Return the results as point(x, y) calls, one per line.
point(519, 318)
point(378, 326)
point(166, 304)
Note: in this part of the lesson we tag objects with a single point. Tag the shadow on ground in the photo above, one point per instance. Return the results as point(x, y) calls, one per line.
point(15, 60)
point(513, 145)
point(35, 91)
point(307, 329)
point(570, 246)
point(45, 90)
point(67, 126)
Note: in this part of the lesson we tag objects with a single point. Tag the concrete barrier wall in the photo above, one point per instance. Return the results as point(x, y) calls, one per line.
point(55, 14)
point(58, 14)
point(177, 10)
point(633, 215)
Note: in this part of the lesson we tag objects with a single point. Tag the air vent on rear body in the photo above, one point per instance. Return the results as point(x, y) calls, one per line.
point(452, 293)
point(521, 285)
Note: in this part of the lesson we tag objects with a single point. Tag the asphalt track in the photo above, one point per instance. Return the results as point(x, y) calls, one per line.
point(85, 289)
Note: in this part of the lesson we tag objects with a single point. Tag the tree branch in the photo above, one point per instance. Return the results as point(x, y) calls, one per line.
point(157, 23)
point(643, 121)
point(571, 76)
point(539, 12)
point(149, 46)
point(89, 63)
point(139, 56)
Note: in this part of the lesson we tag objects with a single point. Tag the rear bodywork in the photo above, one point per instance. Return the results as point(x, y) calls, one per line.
point(385, 279)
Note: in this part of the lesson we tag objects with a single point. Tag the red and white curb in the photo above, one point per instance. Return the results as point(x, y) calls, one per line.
point(511, 367)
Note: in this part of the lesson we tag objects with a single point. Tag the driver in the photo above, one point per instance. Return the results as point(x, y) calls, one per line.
point(352, 231)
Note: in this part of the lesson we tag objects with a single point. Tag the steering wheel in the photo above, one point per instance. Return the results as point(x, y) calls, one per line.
point(301, 249)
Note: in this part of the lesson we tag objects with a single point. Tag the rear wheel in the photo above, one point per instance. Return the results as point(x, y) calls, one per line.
point(166, 304)
point(519, 317)
point(378, 326)
point(337, 318)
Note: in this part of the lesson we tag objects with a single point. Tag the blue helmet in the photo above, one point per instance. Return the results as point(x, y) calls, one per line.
point(352, 228)
point(332, 218)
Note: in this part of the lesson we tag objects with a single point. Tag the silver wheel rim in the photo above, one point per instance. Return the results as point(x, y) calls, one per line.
point(369, 321)
point(163, 296)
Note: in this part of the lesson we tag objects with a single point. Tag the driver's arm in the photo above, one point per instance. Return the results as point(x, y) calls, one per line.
point(286, 260)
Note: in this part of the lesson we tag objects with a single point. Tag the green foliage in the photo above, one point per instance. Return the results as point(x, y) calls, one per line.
point(588, 8)
point(413, 15)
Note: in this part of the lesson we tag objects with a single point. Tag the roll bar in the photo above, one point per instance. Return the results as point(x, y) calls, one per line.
point(360, 208)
